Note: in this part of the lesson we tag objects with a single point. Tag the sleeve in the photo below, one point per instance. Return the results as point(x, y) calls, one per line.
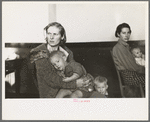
point(46, 73)
point(77, 68)
point(124, 58)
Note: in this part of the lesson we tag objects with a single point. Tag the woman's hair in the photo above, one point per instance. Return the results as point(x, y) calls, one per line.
point(61, 29)
point(119, 28)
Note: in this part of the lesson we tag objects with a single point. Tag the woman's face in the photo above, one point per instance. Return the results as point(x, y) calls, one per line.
point(124, 34)
point(53, 36)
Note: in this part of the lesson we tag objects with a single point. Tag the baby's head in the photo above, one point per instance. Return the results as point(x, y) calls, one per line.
point(136, 52)
point(100, 84)
point(58, 60)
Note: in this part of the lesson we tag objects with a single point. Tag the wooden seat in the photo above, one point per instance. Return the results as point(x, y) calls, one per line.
point(121, 83)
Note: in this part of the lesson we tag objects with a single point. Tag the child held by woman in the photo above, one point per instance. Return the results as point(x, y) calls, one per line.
point(70, 72)
point(139, 57)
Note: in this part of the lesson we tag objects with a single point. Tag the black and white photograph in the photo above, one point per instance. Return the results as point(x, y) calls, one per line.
point(69, 60)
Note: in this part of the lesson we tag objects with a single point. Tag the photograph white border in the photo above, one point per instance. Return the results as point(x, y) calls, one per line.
point(69, 109)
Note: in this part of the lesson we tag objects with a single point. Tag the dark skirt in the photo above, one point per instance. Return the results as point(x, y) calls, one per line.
point(133, 78)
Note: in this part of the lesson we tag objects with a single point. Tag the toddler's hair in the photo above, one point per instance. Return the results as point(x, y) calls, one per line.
point(132, 91)
point(100, 79)
point(54, 53)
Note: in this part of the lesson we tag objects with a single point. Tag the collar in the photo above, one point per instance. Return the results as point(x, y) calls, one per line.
point(123, 43)
point(50, 49)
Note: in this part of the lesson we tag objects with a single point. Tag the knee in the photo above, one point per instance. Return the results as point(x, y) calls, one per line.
point(73, 95)
point(61, 90)
point(76, 94)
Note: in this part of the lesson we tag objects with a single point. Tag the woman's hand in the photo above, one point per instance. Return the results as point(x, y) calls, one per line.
point(143, 56)
point(81, 83)
point(87, 82)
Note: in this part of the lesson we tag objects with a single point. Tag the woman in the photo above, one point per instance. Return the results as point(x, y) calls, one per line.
point(48, 81)
point(132, 73)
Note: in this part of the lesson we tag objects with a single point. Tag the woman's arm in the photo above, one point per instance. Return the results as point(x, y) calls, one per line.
point(124, 59)
point(143, 56)
point(47, 74)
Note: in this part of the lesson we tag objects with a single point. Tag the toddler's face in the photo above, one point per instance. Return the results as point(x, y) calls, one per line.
point(101, 87)
point(58, 62)
point(137, 53)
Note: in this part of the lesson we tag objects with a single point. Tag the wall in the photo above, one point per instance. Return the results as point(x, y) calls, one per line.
point(24, 21)
point(84, 22)
point(97, 21)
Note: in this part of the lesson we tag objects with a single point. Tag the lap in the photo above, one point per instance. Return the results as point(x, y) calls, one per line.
point(132, 77)
point(96, 94)
point(86, 94)
point(63, 92)
point(81, 94)
point(77, 94)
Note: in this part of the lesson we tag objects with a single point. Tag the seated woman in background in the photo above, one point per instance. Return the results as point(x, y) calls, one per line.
point(132, 73)
point(49, 82)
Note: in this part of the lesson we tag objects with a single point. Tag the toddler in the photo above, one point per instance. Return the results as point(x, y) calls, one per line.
point(71, 71)
point(139, 57)
point(101, 85)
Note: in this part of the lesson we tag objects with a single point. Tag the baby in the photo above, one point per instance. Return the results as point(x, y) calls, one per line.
point(139, 57)
point(71, 71)
point(101, 85)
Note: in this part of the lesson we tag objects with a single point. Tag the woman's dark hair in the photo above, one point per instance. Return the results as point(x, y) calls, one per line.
point(119, 28)
point(61, 29)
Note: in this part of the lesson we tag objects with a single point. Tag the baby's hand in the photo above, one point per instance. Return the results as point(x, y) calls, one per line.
point(143, 56)
point(66, 79)
point(103, 92)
